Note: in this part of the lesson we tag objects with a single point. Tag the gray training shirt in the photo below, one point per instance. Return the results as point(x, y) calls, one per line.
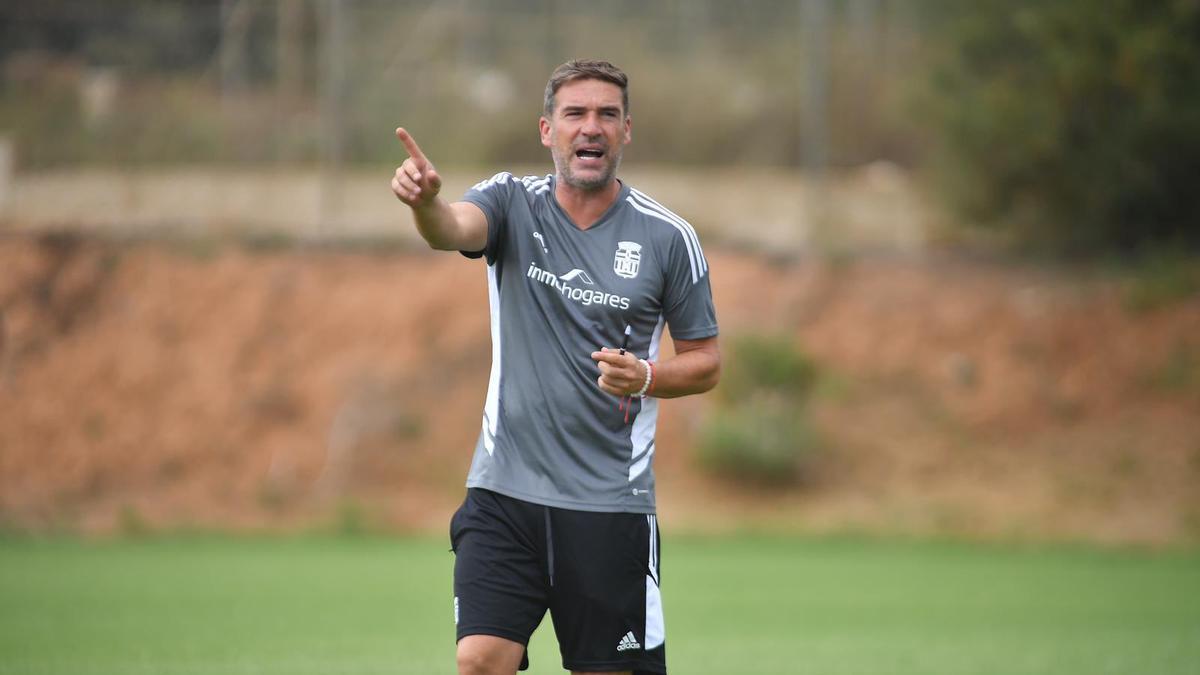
point(557, 293)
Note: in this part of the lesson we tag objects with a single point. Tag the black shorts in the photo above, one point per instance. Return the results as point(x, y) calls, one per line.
point(597, 573)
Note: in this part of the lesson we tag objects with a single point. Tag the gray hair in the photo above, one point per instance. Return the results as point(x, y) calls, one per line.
point(585, 70)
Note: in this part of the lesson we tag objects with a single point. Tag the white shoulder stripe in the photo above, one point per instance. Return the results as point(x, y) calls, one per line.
point(655, 214)
point(690, 231)
point(501, 177)
point(648, 201)
point(536, 184)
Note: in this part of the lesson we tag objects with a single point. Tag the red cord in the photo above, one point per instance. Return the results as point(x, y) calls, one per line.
point(627, 401)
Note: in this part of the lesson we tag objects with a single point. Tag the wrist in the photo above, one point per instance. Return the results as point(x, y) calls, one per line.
point(647, 382)
point(428, 211)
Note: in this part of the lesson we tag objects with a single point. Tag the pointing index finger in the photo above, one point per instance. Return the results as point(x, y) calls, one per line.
point(410, 144)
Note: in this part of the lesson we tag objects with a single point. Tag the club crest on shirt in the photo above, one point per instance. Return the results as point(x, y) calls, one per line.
point(628, 259)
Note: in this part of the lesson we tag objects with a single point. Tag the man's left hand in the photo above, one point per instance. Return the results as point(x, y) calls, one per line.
point(620, 374)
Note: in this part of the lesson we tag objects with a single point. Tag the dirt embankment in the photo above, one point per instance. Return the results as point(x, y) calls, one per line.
point(189, 385)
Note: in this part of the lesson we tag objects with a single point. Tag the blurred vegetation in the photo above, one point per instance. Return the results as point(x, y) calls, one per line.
point(140, 82)
point(1161, 277)
point(1066, 126)
point(1072, 126)
point(1179, 372)
point(760, 432)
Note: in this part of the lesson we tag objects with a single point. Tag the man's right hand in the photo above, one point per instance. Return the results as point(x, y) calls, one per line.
point(416, 182)
point(459, 226)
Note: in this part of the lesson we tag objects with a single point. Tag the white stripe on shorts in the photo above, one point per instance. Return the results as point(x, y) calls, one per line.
point(656, 631)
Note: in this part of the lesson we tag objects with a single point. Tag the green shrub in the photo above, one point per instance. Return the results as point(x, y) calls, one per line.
point(131, 522)
point(1161, 279)
point(758, 363)
point(759, 445)
point(1070, 125)
point(1179, 372)
point(351, 519)
point(760, 432)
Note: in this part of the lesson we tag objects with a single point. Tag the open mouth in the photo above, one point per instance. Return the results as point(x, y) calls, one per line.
point(589, 153)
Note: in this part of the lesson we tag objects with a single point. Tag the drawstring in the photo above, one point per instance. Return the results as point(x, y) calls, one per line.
point(626, 402)
point(549, 546)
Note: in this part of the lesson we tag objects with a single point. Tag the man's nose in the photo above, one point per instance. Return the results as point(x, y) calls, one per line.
point(591, 125)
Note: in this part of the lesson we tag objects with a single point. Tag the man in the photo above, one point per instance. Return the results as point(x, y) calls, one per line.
point(583, 272)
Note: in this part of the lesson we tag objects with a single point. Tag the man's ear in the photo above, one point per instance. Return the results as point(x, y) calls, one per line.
point(628, 129)
point(544, 130)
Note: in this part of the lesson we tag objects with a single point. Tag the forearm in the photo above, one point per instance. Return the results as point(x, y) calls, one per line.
point(693, 372)
point(694, 369)
point(460, 226)
point(437, 224)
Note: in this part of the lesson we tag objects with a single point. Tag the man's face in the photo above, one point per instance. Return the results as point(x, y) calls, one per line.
point(586, 133)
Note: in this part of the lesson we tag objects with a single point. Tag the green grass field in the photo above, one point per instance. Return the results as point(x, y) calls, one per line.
point(182, 605)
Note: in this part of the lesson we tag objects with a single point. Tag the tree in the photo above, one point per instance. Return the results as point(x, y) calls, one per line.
point(1074, 125)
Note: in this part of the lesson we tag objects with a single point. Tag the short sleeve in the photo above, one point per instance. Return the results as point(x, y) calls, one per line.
point(492, 196)
point(687, 301)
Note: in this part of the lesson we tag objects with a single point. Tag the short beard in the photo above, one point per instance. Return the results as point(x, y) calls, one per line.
point(563, 166)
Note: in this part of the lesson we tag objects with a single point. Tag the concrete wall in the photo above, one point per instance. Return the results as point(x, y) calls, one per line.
point(872, 208)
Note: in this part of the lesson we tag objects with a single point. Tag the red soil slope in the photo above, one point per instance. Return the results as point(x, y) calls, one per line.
point(148, 385)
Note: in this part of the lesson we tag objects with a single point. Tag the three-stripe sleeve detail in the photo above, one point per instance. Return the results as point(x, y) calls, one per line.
point(685, 228)
point(536, 185)
point(502, 177)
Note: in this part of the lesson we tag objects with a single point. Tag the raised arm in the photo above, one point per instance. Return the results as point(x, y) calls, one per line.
point(460, 226)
